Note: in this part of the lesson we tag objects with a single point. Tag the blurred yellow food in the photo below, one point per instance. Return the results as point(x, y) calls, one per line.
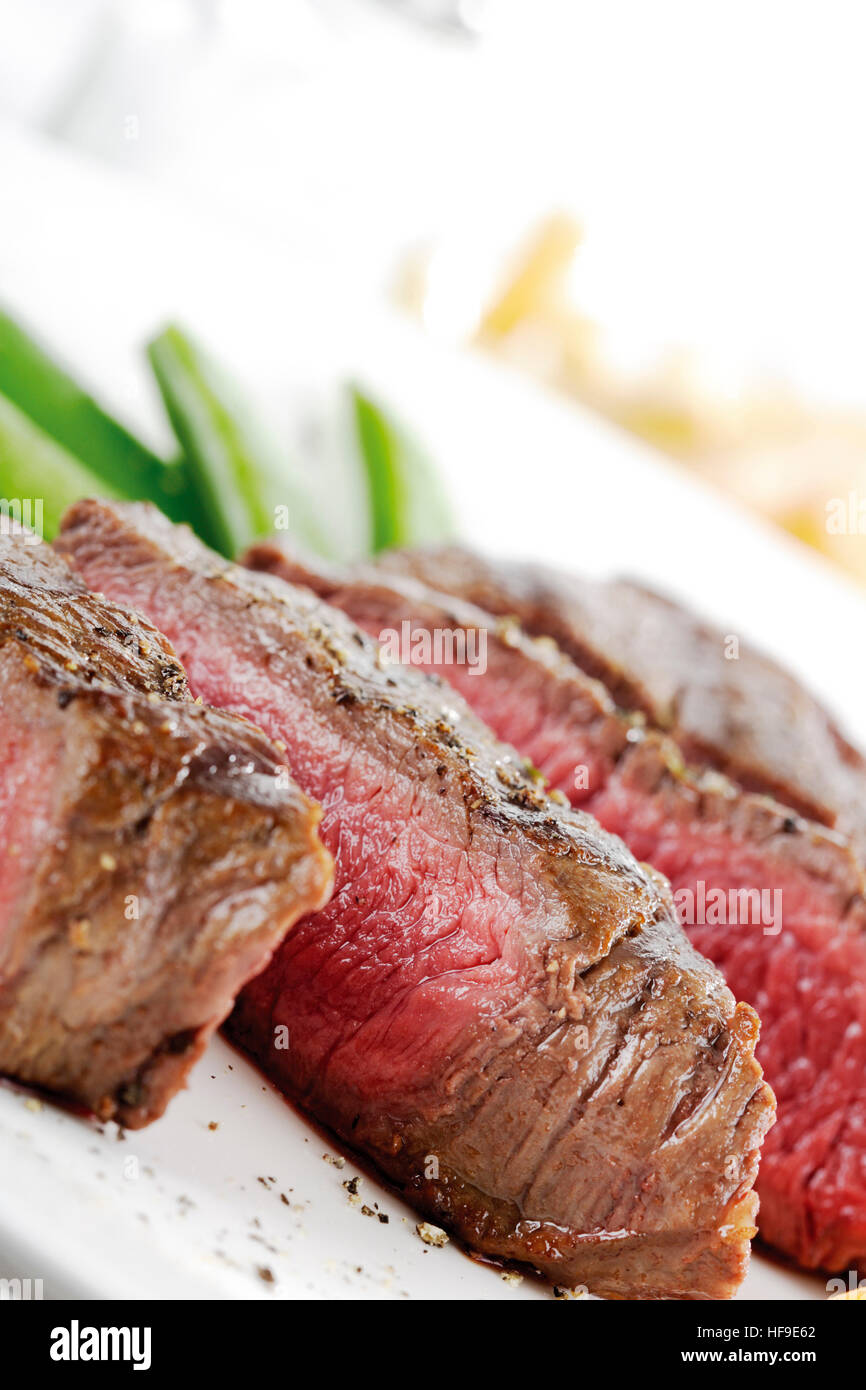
point(535, 278)
point(801, 466)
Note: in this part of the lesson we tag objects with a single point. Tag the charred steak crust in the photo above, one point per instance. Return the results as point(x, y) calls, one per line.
point(497, 1006)
point(571, 712)
point(78, 638)
point(153, 853)
point(807, 980)
point(749, 718)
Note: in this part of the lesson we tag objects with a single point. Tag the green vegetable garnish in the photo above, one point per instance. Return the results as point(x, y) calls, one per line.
point(237, 471)
point(232, 483)
point(407, 503)
point(39, 478)
point(61, 408)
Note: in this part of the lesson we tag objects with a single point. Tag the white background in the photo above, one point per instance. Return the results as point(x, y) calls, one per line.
point(713, 152)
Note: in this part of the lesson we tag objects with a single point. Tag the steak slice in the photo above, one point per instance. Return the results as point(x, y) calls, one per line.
point(152, 851)
point(807, 979)
point(749, 718)
point(497, 1006)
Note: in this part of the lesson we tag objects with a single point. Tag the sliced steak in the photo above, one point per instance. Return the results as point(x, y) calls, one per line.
point(748, 717)
point(805, 973)
point(497, 1006)
point(152, 852)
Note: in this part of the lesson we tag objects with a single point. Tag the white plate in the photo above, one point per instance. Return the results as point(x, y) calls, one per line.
point(183, 1209)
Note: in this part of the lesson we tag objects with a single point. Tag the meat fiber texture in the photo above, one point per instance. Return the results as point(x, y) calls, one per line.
point(748, 718)
point(152, 851)
point(803, 966)
point(497, 1006)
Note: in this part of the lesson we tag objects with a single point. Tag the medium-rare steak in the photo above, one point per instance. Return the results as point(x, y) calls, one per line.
point(497, 1005)
point(152, 852)
point(803, 966)
point(749, 718)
